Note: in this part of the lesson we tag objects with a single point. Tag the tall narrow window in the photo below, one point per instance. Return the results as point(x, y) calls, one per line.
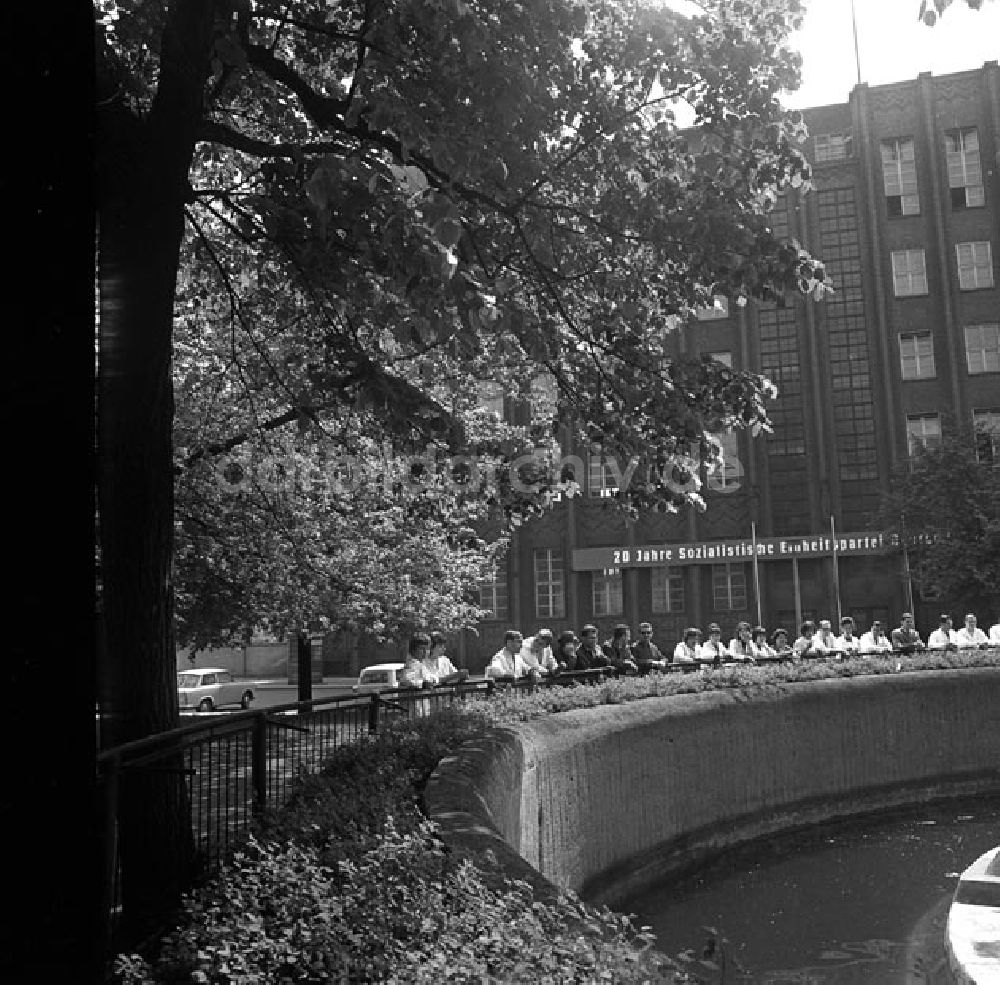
point(975, 265)
point(491, 398)
point(550, 594)
point(986, 425)
point(916, 356)
point(909, 274)
point(493, 595)
point(729, 586)
point(899, 172)
point(727, 476)
point(668, 591)
point(602, 479)
point(982, 348)
point(965, 169)
point(922, 431)
point(607, 594)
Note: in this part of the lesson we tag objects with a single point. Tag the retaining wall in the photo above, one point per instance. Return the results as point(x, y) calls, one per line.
point(607, 801)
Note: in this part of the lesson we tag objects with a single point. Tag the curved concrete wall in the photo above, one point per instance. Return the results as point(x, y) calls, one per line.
point(607, 801)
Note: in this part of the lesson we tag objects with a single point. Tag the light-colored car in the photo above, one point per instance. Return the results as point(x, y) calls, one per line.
point(208, 688)
point(378, 677)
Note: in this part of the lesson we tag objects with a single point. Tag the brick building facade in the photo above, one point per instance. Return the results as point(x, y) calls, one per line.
point(905, 212)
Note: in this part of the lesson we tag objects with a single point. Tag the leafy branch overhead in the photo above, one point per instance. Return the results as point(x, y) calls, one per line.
point(395, 206)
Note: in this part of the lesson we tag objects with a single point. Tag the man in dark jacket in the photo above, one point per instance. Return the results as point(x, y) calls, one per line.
point(589, 654)
point(619, 652)
point(646, 653)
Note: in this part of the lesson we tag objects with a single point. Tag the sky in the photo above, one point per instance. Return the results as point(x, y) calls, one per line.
point(893, 45)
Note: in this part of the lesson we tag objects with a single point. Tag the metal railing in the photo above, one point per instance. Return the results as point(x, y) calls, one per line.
point(234, 766)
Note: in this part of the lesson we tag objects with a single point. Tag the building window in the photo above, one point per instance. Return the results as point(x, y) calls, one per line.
point(668, 591)
point(729, 587)
point(916, 356)
point(982, 348)
point(729, 472)
point(550, 595)
point(719, 309)
point(602, 479)
point(909, 275)
point(491, 398)
point(607, 594)
point(899, 172)
point(965, 170)
point(975, 265)
point(832, 147)
point(986, 425)
point(922, 431)
point(726, 358)
point(493, 595)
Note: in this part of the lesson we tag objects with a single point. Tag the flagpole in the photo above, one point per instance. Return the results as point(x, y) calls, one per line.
point(836, 569)
point(854, 27)
point(756, 574)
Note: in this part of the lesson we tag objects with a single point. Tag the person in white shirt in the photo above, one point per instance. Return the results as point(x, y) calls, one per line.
point(779, 642)
point(758, 637)
point(875, 641)
point(686, 652)
point(508, 662)
point(804, 646)
point(536, 652)
point(970, 635)
point(847, 643)
point(824, 641)
point(415, 673)
point(943, 638)
point(741, 645)
point(995, 632)
point(438, 665)
point(713, 648)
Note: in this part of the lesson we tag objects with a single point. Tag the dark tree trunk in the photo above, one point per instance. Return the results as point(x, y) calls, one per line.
point(143, 171)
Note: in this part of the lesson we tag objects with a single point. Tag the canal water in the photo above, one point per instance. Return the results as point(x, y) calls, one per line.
point(861, 902)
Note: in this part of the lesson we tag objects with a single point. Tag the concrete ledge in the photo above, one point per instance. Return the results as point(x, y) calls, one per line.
point(973, 935)
point(606, 801)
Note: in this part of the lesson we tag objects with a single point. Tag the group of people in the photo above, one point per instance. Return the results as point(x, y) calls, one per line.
point(545, 655)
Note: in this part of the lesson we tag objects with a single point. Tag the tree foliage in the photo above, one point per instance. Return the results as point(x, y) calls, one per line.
point(946, 508)
point(931, 10)
point(389, 204)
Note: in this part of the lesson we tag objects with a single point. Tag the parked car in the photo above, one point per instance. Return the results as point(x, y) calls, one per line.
point(208, 688)
point(378, 677)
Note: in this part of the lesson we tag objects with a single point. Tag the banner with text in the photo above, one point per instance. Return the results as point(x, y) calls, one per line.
point(721, 551)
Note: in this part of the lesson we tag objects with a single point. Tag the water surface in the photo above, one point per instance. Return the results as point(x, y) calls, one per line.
point(855, 903)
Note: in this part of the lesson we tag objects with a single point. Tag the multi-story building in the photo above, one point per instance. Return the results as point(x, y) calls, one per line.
point(905, 212)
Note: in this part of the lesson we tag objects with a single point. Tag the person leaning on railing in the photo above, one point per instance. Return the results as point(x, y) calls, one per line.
point(713, 649)
point(943, 638)
point(994, 636)
point(970, 636)
point(847, 643)
point(536, 652)
point(686, 652)
point(619, 653)
point(761, 648)
point(741, 645)
point(875, 641)
point(905, 639)
point(439, 666)
point(646, 654)
point(566, 652)
point(415, 673)
point(804, 645)
point(824, 642)
point(779, 642)
point(589, 655)
point(508, 664)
